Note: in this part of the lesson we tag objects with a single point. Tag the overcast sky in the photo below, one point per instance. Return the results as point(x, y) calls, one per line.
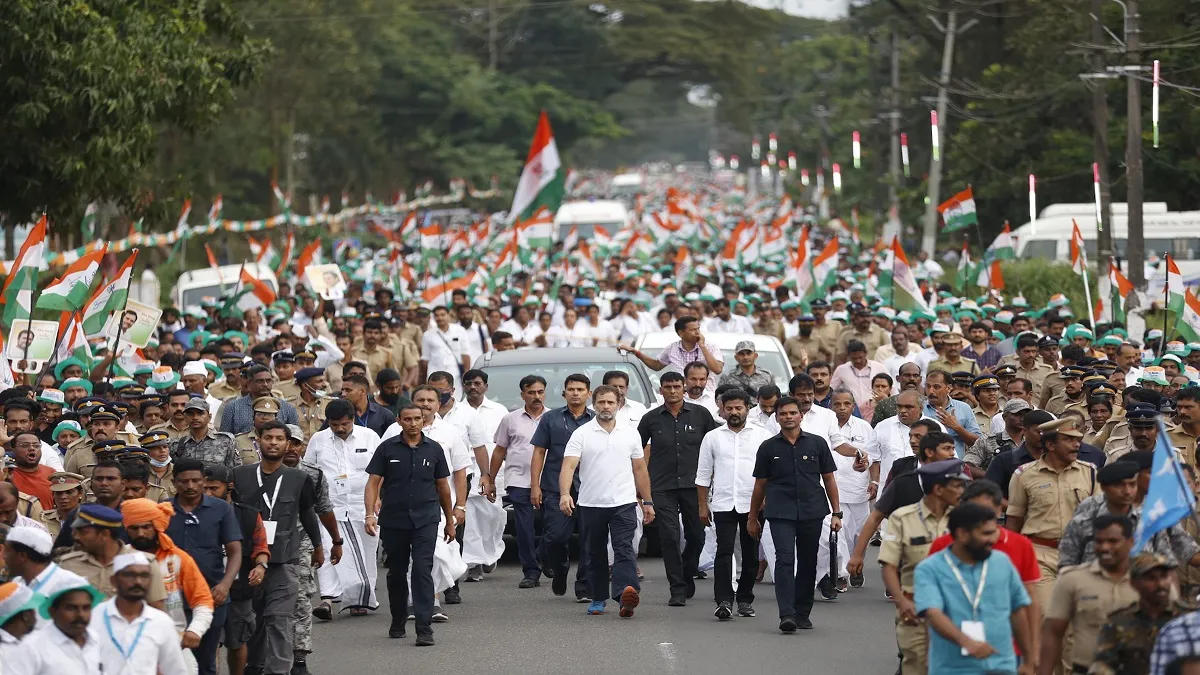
point(822, 9)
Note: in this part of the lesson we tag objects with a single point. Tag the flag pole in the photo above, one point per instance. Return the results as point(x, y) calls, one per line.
point(53, 360)
point(1166, 301)
point(112, 356)
point(1087, 297)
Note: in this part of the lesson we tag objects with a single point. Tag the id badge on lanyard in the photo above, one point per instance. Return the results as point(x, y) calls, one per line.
point(973, 628)
point(269, 525)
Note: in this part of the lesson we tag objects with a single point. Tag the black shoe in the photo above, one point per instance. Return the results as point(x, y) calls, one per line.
point(425, 640)
point(677, 601)
point(787, 624)
point(804, 623)
point(691, 588)
point(582, 598)
point(529, 582)
point(700, 575)
point(827, 588)
point(253, 670)
point(857, 581)
point(323, 611)
point(558, 584)
point(876, 540)
point(300, 668)
point(745, 609)
point(488, 569)
point(452, 596)
point(396, 632)
point(724, 611)
point(475, 573)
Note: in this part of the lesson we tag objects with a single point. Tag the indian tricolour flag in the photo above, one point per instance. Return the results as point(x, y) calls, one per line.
point(108, 298)
point(543, 180)
point(1174, 288)
point(589, 267)
point(71, 290)
point(958, 212)
point(824, 269)
point(1121, 288)
point(906, 294)
point(72, 342)
point(22, 277)
point(964, 269)
point(1189, 319)
point(1002, 248)
point(536, 231)
point(1079, 260)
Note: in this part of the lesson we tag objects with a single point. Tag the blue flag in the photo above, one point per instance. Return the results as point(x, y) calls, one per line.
point(1168, 499)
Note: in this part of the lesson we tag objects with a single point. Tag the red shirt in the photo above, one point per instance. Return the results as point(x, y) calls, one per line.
point(35, 484)
point(1016, 546)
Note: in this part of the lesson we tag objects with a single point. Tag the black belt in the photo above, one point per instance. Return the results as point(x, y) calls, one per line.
point(1079, 670)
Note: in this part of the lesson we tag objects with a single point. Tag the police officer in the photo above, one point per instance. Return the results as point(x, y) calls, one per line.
point(1085, 595)
point(102, 425)
point(266, 409)
point(986, 389)
point(1072, 393)
point(409, 488)
point(1126, 640)
point(1043, 495)
point(232, 364)
point(67, 490)
point(910, 532)
point(310, 399)
point(157, 445)
point(285, 370)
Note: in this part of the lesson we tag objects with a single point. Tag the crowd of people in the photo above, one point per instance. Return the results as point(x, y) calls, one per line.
point(257, 471)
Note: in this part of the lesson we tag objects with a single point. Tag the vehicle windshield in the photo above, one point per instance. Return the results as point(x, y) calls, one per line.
point(504, 381)
point(193, 296)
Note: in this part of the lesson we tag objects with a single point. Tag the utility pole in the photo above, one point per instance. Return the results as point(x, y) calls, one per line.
point(1100, 141)
point(894, 160)
point(493, 35)
point(1135, 191)
point(929, 240)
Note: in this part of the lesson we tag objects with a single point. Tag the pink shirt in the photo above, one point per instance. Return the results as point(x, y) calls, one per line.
point(858, 382)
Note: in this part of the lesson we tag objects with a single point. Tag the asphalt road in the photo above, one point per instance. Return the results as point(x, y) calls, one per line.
point(502, 629)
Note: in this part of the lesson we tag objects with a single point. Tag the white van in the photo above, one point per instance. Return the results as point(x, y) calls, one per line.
point(611, 215)
point(195, 285)
point(627, 186)
point(1174, 232)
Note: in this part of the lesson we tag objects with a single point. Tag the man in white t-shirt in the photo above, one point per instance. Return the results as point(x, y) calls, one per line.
point(612, 477)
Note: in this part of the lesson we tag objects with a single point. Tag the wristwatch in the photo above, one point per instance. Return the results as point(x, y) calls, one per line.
point(460, 508)
point(836, 514)
point(262, 565)
point(338, 542)
point(647, 502)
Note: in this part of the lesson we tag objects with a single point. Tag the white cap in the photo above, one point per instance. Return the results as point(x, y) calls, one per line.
point(940, 328)
point(34, 538)
point(129, 559)
point(193, 368)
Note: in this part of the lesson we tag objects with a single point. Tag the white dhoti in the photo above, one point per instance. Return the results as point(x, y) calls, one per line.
point(843, 551)
point(483, 535)
point(351, 581)
point(854, 516)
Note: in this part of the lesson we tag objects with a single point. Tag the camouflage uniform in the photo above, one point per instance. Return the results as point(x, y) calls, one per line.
point(217, 447)
point(1124, 644)
point(983, 451)
point(302, 612)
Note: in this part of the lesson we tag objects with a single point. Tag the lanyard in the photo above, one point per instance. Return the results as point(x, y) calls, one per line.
point(126, 654)
point(51, 570)
point(269, 502)
point(963, 584)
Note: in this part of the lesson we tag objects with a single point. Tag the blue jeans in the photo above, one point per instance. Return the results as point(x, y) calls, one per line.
point(523, 527)
point(598, 523)
point(557, 528)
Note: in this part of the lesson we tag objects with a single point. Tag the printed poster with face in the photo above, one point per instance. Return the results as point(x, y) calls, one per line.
point(32, 342)
point(326, 281)
point(136, 323)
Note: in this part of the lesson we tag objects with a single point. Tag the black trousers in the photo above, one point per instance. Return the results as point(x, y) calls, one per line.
point(400, 546)
point(669, 506)
point(796, 545)
point(731, 525)
point(599, 523)
point(557, 528)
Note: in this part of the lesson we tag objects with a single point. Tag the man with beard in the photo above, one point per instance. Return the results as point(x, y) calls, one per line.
point(804, 347)
point(1126, 640)
point(911, 531)
point(908, 375)
point(107, 488)
point(726, 465)
point(951, 359)
point(237, 415)
point(102, 425)
point(141, 640)
point(342, 452)
point(266, 409)
point(673, 432)
point(286, 498)
point(176, 424)
point(67, 644)
point(969, 635)
point(1072, 393)
point(979, 351)
point(1184, 436)
point(956, 416)
point(364, 411)
point(1085, 595)
point(95, 528)
point(612, 481)
point(389, 387)
point(29, 475)
point(696, 390)
point(187, 590)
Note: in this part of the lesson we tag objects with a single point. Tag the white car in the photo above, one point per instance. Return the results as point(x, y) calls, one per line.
point(771, 356)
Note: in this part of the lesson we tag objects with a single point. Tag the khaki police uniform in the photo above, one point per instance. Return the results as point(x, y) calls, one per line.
point(312, 415)
point(1183, 442)
point(288, 389)
point(223, 391)
point(802, 351)
point(963, 364)
point(29, 506)
point(52, 523)
point(984, 419)
point(100, 575)
point(247, 445)
point(1060, 403)
point(1053, 385)
point(1084, 596)
point(1037, 375)
point(874, 338)
point(1047, 499)
point(79, 458)
point(828, 336)
point(376, 360)
point(172, 432)
point(910, 532)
